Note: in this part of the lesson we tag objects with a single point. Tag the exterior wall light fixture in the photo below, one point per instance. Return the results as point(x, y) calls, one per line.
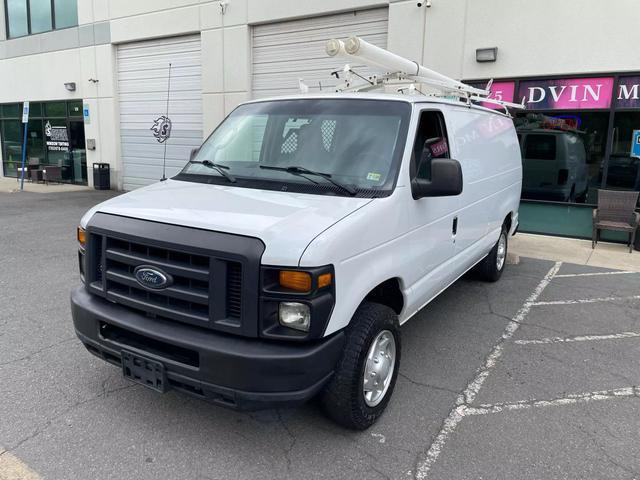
point(71, 86)
point(486, 54)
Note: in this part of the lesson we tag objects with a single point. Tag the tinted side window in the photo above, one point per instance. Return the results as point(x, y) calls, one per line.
point(540, 147)
point(431, 142)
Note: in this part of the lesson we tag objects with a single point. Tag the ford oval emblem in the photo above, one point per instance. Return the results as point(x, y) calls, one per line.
point(152, 277)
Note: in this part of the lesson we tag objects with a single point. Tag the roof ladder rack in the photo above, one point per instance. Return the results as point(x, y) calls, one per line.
point(356, 50)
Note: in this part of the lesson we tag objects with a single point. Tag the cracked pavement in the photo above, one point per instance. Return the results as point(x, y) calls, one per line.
point(65, 414)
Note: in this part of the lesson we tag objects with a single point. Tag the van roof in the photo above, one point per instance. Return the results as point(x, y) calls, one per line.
point(412, 99)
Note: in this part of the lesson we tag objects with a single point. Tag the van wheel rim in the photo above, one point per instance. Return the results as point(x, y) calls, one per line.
point(378, 371)
point(502, 251)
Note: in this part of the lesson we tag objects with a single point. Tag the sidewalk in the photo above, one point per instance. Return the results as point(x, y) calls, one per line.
point(571, 250)
point(10, 185)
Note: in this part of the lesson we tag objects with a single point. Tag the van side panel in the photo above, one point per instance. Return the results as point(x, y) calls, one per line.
point(486, 145)
point(412, 239)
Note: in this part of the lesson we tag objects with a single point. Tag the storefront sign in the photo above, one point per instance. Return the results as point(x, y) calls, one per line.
point(57, 138)
point(567, 94)
point(628, 95)
point(503, 91)
point(635, 144)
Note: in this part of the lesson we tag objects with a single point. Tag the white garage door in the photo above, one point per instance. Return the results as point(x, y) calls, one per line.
point(143, 69)
point(283, 52)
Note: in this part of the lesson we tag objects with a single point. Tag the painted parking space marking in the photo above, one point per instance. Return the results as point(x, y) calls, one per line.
point(11, 468)
point(468, 395)
point(586, 300)
point(594, 274)
point(573, 399)
point(578, 338)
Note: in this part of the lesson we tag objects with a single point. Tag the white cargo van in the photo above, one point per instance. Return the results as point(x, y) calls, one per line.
point(281, 262)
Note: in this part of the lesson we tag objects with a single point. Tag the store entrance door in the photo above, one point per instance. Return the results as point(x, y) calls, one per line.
point(77, 152)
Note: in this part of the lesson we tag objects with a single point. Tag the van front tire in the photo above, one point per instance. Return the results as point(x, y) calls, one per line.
point(491, 268)
point(372, 353)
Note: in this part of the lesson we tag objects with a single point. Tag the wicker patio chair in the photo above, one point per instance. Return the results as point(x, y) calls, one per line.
point(616, 211)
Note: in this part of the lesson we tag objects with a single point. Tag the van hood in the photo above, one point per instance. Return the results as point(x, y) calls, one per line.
point(285, 222)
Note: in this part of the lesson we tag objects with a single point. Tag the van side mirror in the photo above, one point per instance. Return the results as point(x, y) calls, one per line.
point(446, 180)
point(194, 152)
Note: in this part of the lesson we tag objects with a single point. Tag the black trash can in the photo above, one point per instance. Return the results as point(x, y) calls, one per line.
point(101, 176)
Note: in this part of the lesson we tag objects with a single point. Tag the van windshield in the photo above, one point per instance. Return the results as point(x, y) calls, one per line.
point(307, 145)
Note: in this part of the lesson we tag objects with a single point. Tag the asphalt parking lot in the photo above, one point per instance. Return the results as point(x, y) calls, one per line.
point(533, 377)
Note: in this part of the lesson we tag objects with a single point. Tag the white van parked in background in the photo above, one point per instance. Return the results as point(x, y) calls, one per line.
point(281, 262)
point(554, 164)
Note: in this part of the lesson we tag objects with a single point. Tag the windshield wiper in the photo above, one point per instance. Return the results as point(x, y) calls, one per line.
point(218, 168)
point(296, 170)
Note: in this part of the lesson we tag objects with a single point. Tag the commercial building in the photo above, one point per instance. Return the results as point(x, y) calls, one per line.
point(96, 74)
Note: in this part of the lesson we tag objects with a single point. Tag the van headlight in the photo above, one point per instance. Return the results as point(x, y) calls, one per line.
point(296, 302)
point(295, 315)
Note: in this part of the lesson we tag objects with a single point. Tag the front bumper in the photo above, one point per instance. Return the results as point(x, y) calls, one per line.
point(231, 371)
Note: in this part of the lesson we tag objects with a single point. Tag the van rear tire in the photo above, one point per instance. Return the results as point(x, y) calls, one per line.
point(491, 268)
point(372, 351)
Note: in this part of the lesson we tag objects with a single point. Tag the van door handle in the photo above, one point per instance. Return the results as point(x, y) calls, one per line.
point(454, 229)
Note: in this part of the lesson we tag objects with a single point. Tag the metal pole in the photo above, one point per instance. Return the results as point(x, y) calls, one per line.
point(24, 154)
point(164, 157)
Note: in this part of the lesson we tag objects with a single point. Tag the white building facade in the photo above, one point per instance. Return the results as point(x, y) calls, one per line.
point(100, 69)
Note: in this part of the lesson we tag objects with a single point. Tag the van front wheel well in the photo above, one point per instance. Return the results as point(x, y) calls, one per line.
point(388, 293)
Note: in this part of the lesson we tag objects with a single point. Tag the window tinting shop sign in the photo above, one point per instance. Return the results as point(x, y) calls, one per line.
point(57, 138)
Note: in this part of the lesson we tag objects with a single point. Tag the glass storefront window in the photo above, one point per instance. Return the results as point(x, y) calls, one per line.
point(40, 15)
point(12, 110)
point(35, 109)
point(66, 13)
point(55, 109)
point(562, 155)
point(17, 18)
point(26, 17)
point(75, 108)
point(55, 139)
point(11, 146)
point(623, 170)
point(35, 142)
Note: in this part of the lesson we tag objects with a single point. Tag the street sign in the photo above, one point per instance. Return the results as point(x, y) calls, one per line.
point(635, 144)
point(25, 112)
point(25, 122)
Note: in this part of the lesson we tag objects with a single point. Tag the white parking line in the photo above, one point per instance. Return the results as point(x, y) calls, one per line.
point(593, 274)
point(579, 338)
point(568, 400)
point(586, 300)
point(11, 468)
point(468, 395)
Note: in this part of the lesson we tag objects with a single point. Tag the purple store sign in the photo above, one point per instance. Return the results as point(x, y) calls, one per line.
point(566, 94)
point(628, 94)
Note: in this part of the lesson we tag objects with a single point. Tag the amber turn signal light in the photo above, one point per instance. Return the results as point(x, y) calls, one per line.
point(324, 280)
point(82, 236)
point(298, 281)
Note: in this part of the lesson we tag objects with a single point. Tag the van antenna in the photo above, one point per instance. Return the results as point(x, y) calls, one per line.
point(164, 156)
